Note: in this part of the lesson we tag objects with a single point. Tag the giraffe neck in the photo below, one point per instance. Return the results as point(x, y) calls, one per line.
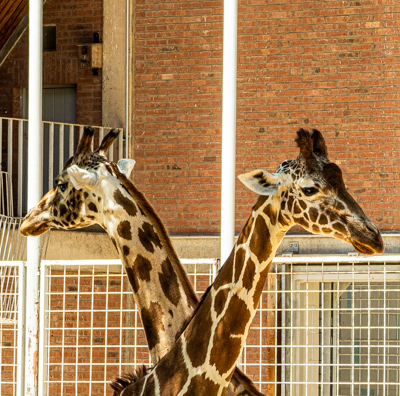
point(205, 356)
point(161, 289)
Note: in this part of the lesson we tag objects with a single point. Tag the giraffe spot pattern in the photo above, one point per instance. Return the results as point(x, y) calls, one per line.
point(339, 227)
point(200, 382)
point(142, 267)
point(126, 203)
point(125, 250)
point(124, 230)
point(148, 237)
point(233, 323)
point(220, 300)
point(173, 373)
point(152, 319)
point(257, 242)
point(313, 212)
point(169, 282)
point(245, 234)
point(92, 206)
point(323, 220)
point(239, 263)
point(63, 210)
point(271, 212)
point(248, 276)
point(199, 333)
point(131, 277)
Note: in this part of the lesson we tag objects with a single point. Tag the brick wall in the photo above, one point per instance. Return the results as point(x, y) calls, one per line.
point(328, 65)
point(76, 21)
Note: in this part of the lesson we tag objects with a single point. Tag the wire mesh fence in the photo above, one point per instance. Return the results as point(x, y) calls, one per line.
point(10, 329)
point(323, 327)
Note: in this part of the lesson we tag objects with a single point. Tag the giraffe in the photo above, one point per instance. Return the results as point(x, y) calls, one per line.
point(308, 191)
point(91, 189)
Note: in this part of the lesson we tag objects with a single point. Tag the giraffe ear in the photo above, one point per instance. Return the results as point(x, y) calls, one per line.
point(81, 178)
point(263, 182)
point(126, 166)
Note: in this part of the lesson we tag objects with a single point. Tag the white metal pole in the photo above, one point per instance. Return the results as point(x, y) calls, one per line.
point(34, 193)
point(228, 128)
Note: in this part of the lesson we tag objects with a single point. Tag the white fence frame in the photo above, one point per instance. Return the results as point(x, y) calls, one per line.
point(299, 282)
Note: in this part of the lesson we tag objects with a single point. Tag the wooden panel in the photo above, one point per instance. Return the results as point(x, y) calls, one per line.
point(11, 14)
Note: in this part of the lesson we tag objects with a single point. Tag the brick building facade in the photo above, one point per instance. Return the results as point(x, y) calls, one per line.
point(328, 65)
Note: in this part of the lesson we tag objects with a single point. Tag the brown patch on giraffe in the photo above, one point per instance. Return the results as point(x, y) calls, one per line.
point(126, 203)
point(290, 202)
point(283, 220)
point(245, 234)
point(227, 271)
point(169, 282)
point(92, 206)
point(271, 212)
point(200, 382)
point(260, 286)
point(172, 373)
point(132, 279)
point(239, 263)
point(234, 322)
point(85, 194)
point(63, 210)
point(326, 230)
point(303, 205)
point(257, 243)
point(260, 202)
point(142, 267)
point(152, 319)
point(339, 227)
point(220, 300)
point(199, 332)
point(125, 250)
point(124, 230)
point(296, 209)
point(249, 274)
point(303, 222)
point(313, 212)
point(323, 220)
point(316, 229)
point(148, 237)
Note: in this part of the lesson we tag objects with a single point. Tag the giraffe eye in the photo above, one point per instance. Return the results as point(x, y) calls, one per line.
point(308, 191)
point(62, 187)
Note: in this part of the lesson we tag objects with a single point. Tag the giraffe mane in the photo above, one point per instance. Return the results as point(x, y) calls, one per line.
point(122, 382)
point(149, 211)
point(249, 388)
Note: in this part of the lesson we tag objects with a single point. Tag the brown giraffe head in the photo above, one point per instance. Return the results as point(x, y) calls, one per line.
point(74, 201)
point(310, 192)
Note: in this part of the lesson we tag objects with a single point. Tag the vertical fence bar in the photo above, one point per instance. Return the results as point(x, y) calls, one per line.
point(9, 145)
point(60, 147)
point(21, 329)
point(51, 155)
point(42, 333)
point(20, 165)
point(71, 140)
point(1, 144)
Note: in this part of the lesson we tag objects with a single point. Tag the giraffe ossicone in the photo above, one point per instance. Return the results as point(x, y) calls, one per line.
point(93, 190)
point(308, 191)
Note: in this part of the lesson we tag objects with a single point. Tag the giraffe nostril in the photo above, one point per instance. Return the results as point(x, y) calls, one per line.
point(372, 228)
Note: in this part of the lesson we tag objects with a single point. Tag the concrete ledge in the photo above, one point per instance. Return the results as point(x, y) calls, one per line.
point(83, 245)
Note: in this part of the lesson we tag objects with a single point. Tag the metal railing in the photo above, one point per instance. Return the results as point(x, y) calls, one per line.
point(59, 143)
